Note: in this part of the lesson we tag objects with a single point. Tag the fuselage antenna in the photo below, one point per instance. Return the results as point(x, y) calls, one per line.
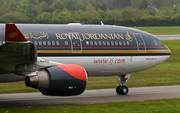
point(102, 23)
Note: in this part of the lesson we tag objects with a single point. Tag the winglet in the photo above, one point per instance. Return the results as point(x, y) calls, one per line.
point(13, 34)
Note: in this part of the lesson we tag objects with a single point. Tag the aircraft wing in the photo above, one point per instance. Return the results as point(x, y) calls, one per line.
point(19, 56)
point(16, 51)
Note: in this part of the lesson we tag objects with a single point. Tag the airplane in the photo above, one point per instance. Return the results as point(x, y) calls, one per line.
point(57, 59)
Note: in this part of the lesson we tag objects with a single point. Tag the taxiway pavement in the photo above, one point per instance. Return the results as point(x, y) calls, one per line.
point(90, 97)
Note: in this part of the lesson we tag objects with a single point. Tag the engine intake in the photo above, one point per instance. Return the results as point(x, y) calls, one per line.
point(59, 80)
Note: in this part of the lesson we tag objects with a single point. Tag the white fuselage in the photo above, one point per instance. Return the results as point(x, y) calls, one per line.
point(112, 65)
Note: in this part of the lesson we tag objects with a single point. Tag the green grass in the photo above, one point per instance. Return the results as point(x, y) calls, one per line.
point(165, 30)
point(167, 73)
point(155, 106)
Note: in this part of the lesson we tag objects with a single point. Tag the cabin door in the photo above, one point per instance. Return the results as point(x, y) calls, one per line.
point(76, 44)
point(141, 46)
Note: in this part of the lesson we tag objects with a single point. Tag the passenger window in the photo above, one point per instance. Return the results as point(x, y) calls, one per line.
point(49, 43)
point(128, 43)
point(66, 43)
point(87, 43)
point(100, 43)
point(53, 43)
point(124, 43)
point(116, 43)
point(112, 43)
point(44, 42)
point(104, 43)
point(108, 43)
point(35, 43)
point(95, 43)
point(120, 43)
point(91, 42)
point(40, 42)
point(57, 42)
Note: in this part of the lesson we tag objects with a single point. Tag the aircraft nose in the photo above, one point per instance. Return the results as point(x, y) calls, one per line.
point(167, 54)
point(168, 51)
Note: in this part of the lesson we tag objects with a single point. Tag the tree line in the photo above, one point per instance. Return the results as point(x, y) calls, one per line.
point(114, 12)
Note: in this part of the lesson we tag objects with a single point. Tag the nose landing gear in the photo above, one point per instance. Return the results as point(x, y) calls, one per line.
point(122, 89)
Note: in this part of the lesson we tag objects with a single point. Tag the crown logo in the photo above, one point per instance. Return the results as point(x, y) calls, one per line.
point(13, 35)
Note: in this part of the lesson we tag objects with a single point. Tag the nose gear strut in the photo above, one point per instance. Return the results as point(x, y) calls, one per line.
point(122, 89)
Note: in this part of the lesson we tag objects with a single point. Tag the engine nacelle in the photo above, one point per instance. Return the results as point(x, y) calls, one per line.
point(59, 80)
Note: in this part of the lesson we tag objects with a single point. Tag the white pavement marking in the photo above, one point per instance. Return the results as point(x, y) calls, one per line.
point(168, 37)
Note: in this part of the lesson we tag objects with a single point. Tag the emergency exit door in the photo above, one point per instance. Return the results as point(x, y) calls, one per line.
point(140, 43)
point(76, 44)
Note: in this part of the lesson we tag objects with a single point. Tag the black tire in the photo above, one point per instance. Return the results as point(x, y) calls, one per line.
point(118, 90)
point(124, 90)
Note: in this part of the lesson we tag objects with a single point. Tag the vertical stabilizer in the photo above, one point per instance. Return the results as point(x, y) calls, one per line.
point(13, 34)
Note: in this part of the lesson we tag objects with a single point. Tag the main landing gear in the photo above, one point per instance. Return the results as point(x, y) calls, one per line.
point(122, 89)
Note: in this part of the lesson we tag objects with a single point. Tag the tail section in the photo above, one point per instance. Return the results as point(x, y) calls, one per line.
point(13, 34)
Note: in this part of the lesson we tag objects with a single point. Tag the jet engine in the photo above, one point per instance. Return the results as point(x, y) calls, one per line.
point(59, 80)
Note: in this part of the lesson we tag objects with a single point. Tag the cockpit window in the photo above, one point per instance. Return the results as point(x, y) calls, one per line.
point(157, 42)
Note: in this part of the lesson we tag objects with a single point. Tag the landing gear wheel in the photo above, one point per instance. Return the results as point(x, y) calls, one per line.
point(118, 90)
point(122, 90)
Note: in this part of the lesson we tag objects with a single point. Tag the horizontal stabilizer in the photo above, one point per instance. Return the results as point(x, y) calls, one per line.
point(13, 34)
